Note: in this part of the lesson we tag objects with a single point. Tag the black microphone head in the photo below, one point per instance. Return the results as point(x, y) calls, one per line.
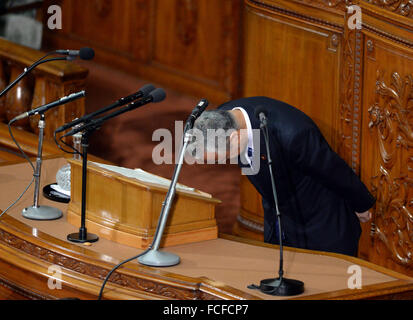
point(158, 95)
point(260, 109)
point(86, 53)
point(147, 89)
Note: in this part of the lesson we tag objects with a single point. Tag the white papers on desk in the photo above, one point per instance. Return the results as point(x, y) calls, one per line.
point(143, 176)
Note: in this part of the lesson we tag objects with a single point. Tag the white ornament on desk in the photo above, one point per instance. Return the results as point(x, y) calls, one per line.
point(63, 179)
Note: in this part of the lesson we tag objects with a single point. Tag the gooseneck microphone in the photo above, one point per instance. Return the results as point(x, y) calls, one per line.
point(143, 92)
point(27, 70)
point(196, 112)
point(36, 211)
point(200, 107)
point(153, 256)
point(44, 108)
point(84, 53)
point(277, 286)
point(155, 96)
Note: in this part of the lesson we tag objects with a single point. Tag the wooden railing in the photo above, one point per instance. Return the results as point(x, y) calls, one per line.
point(46, 83)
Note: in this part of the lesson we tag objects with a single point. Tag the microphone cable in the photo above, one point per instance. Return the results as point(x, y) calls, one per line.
point(28, 160)
point(74, 152)
point(117, 267)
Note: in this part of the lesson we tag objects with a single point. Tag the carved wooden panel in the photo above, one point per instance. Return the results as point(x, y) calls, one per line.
point(373, 120)
point(335, 4)
point(387, 153)
point(295, 62)
point(349, 117)
point(402, 7)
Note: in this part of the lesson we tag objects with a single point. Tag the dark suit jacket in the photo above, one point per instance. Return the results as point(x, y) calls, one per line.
point(318, 193)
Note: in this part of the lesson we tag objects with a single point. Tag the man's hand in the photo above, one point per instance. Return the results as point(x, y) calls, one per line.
point(364, 216)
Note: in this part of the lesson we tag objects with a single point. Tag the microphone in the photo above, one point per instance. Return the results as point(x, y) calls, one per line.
point(50, 105)
point(29, 69)
point(280, 286)
point(261, 114)
point(199, 108)
point(143, 92)
point(155, 96)
point(83, 53)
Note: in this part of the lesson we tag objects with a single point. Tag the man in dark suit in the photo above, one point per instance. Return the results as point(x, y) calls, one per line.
point(321, 199)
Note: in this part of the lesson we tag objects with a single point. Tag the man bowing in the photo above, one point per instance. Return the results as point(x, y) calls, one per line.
point(320, 198)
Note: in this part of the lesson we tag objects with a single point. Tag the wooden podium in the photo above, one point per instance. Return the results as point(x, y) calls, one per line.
point(126, 210)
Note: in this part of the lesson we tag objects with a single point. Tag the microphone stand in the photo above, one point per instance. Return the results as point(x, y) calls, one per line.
point(153, 257)
point(277, 286)
point(37, 212)
point(156, 96)
point(83, 236)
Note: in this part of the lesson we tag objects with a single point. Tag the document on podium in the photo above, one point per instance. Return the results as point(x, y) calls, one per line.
point(144, 176)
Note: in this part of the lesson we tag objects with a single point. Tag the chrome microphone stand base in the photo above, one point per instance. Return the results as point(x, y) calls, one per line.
point(42, 213)
point(155, 258)
point(277, 287)
point(36, 212)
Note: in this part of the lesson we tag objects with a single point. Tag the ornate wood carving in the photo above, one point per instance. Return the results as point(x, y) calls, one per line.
point(350, 104)
point(391, 124)
point(279, 9)
point(328, 3)
point(133, 282)
point(402, 7)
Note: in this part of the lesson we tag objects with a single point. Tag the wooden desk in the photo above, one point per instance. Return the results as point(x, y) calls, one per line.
point(214, 269)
